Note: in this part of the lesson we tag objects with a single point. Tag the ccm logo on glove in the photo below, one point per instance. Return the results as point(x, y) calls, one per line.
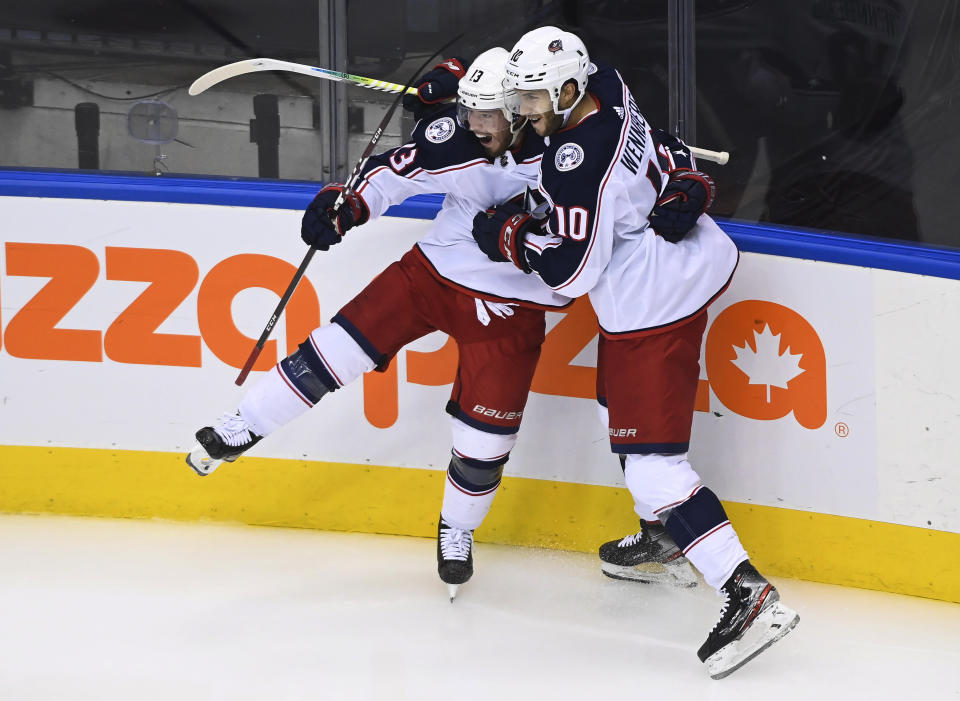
point(499, 232)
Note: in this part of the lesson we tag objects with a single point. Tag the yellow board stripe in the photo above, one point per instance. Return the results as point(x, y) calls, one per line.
point(403, 501)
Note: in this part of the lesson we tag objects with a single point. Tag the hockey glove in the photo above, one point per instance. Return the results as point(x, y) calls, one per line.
point(500, 233)
point(322, 228)
point(687, 195)
point(435, 87)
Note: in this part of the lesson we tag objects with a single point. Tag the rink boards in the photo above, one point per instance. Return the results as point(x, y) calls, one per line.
point(825, 417)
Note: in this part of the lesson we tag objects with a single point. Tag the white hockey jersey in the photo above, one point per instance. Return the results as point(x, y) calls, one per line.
point(602, 177)
point(443, 157)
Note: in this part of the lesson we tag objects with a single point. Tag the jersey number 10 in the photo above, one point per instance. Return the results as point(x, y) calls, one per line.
point(572, 222)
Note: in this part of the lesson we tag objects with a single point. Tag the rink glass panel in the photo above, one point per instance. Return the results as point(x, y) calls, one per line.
point(839, 116)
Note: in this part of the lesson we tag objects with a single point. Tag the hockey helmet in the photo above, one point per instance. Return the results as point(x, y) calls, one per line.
point(538, 66)
point(481, 91)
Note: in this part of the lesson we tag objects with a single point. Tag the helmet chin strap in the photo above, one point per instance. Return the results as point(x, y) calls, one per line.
point(565, 114)
point(516, 125)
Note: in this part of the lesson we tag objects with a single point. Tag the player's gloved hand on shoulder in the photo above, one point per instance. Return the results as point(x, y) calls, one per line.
point(434, 87)
point(500, 233)
point(687, 195)
point(321, 228)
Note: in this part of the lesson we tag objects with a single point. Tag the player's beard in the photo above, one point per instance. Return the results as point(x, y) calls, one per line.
point(546, 124)
point(494, 144)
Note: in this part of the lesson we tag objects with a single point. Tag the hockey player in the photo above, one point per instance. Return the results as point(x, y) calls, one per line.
point(473, 152)
point(626, 228)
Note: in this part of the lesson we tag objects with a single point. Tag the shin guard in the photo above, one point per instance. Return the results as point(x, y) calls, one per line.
point(469, 490)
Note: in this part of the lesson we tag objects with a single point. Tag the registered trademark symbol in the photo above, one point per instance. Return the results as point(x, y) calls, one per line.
point(841, 429)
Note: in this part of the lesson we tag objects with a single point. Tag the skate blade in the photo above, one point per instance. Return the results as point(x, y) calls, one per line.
point(676, 574)
point(200, 462)
point(770, 625)
point(452, 591)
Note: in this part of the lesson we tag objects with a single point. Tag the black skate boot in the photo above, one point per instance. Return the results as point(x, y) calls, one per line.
point(454, 556)
point(649, 556)
point(751, 620)
point(225, 443)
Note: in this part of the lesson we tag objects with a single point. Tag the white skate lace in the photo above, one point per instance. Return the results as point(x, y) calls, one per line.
point(501, 309)
point(630, 540)
point(455, 543)
point(233, 430)
point(723, 609)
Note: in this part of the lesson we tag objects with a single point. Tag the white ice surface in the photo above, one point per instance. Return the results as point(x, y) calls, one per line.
point(137, 610)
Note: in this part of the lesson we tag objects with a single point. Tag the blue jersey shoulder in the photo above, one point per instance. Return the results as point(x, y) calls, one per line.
point(579, 157)
point(441, 142)
point(606, 86)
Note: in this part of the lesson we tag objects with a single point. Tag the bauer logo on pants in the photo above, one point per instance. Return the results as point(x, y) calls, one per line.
point(764, 360)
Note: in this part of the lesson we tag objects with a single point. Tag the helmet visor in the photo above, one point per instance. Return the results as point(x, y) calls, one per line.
point(486, 121)
point(529, 102)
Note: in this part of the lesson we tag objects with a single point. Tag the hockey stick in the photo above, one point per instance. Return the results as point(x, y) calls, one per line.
point(254, 65)
point(348, 186)
point(720, 157)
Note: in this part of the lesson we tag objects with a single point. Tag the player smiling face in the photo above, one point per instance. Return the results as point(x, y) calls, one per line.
point(489, 126)
point(546, 78)
point(537, 107)
point(481, 105)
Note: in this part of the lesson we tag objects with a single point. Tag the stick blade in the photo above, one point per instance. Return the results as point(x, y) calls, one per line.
point(231, 70)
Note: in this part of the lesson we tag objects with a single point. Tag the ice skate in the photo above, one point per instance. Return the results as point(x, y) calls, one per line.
point(751, 620)
point(228, 441)
point(649, 556)
point(454, 556)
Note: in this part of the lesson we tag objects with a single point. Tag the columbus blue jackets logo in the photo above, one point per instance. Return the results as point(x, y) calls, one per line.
point(555, 46)
point(569, 156)
point(440, 130)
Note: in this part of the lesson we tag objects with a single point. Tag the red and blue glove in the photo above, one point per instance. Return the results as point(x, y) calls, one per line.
point(500, 233)
point(435, 87)
point(321, 228)
point(687, 195)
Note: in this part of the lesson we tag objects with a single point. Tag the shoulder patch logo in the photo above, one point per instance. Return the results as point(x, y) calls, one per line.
point(569, 156)
point(440, 130)
point(619, 111)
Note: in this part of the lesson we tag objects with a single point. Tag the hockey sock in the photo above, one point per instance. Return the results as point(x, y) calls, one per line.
point(335, 357)
point(700, 528)
point(469, 490)
point(644, 511)
point(271, 403)
point(326, 361)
